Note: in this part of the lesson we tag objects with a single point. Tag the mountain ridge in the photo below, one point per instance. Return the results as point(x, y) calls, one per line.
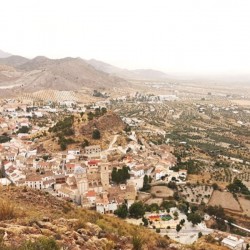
point(4, 54)
point(59, 74)
point(137, 74)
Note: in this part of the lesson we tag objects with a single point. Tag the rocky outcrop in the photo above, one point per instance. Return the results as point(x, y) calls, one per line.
point(109, 122)
point(66, 231)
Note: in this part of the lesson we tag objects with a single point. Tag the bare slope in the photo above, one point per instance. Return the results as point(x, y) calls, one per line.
point(35, 214)
point(60, 74)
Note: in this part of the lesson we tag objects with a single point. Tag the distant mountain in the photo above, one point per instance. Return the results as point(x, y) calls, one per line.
point(138, 74)
point(58, 74)
point(4, 54)
point(13, 61)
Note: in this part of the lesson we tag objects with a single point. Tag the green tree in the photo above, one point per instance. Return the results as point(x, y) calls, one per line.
point(217, 211)
point(114, 176)
point(178, 228)
point(4, 138)
point(145, 221)
point(146, 185)
point(122, 211)
point(1, 173)
point(103, 110)
point(172, 185)
point(127, 128)
point(238, 187)
point(85, 143)
point(120, 175)
point(168, 204)
point(176, 196)
point(215, 186)
point(137, 210)
point(176, 214)
point(195, 218)
point(152, 207)
point(90, 116)
point(63, 146)
point(182, 221)
point(183, 207)
point(96, 135)
point(23, 129)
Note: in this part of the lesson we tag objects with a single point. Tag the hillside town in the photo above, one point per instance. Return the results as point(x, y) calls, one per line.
point(80, 175)
point(102, 178)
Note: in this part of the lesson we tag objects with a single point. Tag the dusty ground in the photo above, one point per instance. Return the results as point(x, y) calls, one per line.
point(193, 178)
point(242, 102)
point(161, 191)
point(224, 199)
point(245, 204)
point(143, 196)
point(154, 200)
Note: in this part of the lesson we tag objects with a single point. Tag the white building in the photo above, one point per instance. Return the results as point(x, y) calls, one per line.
point(92, 150)
point(233, 242)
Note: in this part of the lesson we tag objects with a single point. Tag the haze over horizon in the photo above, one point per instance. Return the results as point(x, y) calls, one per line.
point(188, 37)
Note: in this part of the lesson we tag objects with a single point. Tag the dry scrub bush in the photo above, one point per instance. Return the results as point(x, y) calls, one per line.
point(7, 210)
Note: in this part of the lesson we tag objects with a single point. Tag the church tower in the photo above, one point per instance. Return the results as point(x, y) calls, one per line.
point(105, 176)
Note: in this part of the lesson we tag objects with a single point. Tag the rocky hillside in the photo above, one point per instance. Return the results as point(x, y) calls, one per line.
point(39, 218)
point(107, 123)
point(31, 219)
point(75, 130)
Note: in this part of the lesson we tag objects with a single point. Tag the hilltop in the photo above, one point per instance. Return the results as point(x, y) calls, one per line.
point(14, 61)
point(72, 131)
point(4, 54)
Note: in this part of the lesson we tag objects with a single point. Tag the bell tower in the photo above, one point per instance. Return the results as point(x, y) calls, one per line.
point(105, 176)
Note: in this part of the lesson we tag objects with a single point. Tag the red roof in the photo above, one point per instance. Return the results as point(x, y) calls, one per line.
point(93, 162)
point(91, 193)
point(70, 165)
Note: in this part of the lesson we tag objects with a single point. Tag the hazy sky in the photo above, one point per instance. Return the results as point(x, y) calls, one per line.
point(189, 36)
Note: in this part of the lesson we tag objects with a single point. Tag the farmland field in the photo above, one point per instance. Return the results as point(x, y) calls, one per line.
point(224, 199)
point(245, 204)
point(161, 191)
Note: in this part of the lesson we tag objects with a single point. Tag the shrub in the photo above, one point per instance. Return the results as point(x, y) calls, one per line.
point(7, 210)
point(162, 243)
point(96, 135)
point(42, 243)
point(23, 129)
point(4, 139)
point(137, 242)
